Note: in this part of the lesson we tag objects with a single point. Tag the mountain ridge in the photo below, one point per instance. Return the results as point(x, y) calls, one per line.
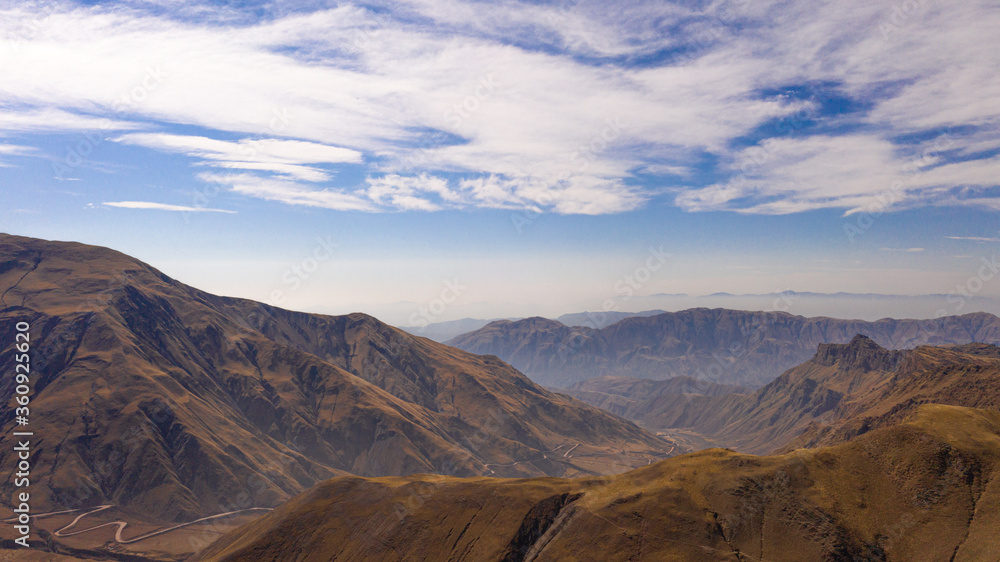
point(845, 390)
point(175, 404)
point(920, 489)
point(719, 345)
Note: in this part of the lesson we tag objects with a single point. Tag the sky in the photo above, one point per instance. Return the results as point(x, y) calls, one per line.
point(428, 160)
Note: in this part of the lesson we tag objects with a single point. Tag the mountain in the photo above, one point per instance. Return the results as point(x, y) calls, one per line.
point(171, 403)
point(722, 346)
point(926, 489)
point(444, 331)
point(843, 391)
point(630, 397)
point(600, 319)
point(865, 306)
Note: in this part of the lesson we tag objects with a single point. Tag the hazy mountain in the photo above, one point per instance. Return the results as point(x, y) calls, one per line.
point(444, 331)
point(718, 345)
point(922, 490)
point(601, 319)
point(843, 391)
point(864, 306)
point(175, 403)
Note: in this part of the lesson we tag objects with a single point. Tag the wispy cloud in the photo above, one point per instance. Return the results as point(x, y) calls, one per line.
point(285, 157)
point(509, 104)
point(162, 207)
point(911, 250)
point(290, 193)
point(15, 150)
point(974, 238)
point(33, 119)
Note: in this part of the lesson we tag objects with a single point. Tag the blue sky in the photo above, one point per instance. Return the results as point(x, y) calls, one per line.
point(533, 155)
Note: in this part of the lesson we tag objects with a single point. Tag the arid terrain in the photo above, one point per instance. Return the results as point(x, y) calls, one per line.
point(172, 423)
point(926, 489)
point(172, 404)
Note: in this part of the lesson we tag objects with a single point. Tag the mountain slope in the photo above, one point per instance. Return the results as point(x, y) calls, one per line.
point(718, 345)
point(633, 398)
point(843, 391)
point(926, 489)
point(175, 403)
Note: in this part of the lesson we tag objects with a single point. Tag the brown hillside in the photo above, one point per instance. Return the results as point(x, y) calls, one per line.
point(174, 403)
point(927, 489)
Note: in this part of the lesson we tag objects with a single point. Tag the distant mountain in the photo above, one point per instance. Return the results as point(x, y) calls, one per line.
point(864, 306)
point(174, 403)
point(600, 319)
point(718, 345)
point(444, 331)
point(845, 390)
point(926, 489)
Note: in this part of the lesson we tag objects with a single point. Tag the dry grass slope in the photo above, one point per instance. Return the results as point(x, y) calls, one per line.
point(926, 489)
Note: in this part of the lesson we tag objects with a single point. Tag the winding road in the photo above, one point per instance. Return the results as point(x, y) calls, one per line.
point(123, 524)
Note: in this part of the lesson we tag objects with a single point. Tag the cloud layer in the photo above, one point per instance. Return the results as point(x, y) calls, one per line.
point(587, 108)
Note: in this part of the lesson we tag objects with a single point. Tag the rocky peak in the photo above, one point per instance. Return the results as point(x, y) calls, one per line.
point(862, 353)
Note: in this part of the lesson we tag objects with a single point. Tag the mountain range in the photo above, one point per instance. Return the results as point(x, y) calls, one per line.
point(729, 347)
point(171, 403)
point(159, 407)
point(845, 390)
point(894, 455)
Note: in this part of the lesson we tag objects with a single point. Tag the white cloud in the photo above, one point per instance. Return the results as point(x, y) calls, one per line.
point(285, 157)
point(359, 87)
point(974, 238)
point(585, 29)
point(162, 207)
point(48, 119)
point(909, 250)
point(290, 193)
point(349, 78)
point(15, 150)
point(409, 193)
point(854, 172)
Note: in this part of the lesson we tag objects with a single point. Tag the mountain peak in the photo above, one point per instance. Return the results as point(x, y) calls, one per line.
point(862, 353)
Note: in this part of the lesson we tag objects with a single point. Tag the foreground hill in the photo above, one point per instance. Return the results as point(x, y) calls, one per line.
point(843, 391)
point(927, 489)
point(175, 404)
point(718, 345)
